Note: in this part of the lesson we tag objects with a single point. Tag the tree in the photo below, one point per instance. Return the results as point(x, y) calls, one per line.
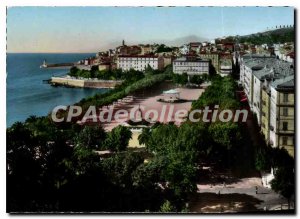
point(94, 71)
point(180, 173)
point(284, 182)
point(73, 71)
point(225, 134)
point(281, 158)
point(91, 136)
point(167, 207)
point(120, 168)
point(163, 48)
point(118, 138)
point(180, 79)
point(144, 136)
point(148, 174)
point(176, 148)
point(161, 137)
point(149, 70)
point(262, 160)
point(196, 79)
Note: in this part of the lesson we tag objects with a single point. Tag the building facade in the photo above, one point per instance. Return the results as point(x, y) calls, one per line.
point(282, 114)
point(214, 58)
point(139, 62)
point(269, 86)
point(191, 66)
point(226, 61)
point(265, 113)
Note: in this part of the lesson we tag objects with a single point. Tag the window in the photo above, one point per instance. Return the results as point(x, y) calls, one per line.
point(284, 140)
point(285, 111)
point(285, 98)
point(285, 126)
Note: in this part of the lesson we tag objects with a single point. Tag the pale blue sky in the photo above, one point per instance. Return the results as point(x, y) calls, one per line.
point(90, 29)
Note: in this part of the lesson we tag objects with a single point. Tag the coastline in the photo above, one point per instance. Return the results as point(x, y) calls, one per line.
point(68, 81)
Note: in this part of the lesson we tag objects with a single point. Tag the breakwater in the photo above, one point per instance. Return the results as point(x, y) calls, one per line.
point(68, 81)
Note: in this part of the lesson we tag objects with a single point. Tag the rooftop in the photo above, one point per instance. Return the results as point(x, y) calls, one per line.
point(263, 73)
point(284, 83)
point(190, 59)
point(250, 56)
point(270, 66)
point(138, 56)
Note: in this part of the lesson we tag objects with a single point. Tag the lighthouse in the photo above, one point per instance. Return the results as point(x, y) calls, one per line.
point(44, 65)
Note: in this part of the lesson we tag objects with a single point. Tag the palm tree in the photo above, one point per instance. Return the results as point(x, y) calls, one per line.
point(144, 136)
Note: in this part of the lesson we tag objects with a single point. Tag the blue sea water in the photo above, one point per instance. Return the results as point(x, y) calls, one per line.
point(27, 94)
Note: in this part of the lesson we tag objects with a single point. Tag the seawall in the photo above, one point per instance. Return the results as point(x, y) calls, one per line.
point(83, 83)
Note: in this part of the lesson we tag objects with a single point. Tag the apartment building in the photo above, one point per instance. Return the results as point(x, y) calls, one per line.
point(191, 65)
point(269, 86)
point(213, 57)
point(258, 82)
point(139, 62)
point(265, 112)
point(282, 114)
point(262, 66)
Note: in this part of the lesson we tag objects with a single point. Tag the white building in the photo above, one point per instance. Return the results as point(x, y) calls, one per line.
point(191, 66)
point(258, 82)
point(278, 77)
point(225, 66)
point(249, 65)
point(184, 49)
point(246, 79)
point(139, 62)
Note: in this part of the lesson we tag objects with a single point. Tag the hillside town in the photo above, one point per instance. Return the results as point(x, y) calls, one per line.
point(222, 54)
point(266, 73)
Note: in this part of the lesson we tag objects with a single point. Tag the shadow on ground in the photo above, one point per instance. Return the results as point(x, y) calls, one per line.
point(223, 203)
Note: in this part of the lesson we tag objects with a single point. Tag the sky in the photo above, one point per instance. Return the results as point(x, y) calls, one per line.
point(92, 29)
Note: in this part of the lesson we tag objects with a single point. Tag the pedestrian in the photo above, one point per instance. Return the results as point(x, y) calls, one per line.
point(256, 189)
point(219, 193)
point(222, 209)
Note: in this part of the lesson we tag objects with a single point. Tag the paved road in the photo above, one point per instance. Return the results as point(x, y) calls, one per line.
point(236, 197)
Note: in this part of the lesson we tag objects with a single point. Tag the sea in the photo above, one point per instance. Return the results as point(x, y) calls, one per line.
point(27, 94)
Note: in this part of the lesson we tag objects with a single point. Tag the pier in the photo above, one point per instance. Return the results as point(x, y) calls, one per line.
point(56, 65)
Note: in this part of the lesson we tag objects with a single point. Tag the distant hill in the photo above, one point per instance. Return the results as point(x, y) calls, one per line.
point(184, 40)
point(280, 35)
